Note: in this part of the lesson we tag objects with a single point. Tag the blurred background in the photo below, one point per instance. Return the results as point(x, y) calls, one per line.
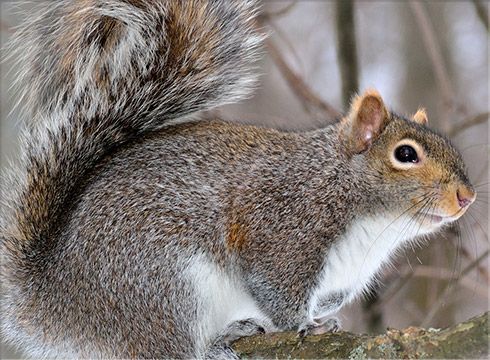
point(416, 54)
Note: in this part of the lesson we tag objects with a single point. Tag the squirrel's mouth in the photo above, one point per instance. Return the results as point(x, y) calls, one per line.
point(433, 219)
point(432, 222)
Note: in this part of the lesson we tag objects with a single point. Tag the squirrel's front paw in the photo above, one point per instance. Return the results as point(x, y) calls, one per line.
point(316, 327)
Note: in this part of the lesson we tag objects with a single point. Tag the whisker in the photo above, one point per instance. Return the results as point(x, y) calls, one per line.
point(472, 235)
point(402, 230)
point(479, 212)
point(424, 198)
point(479, 225)
point(458, 260)
point(429, 200)
point(427, 203)
point(480, 201)
point(422, 213)
point(472, 146)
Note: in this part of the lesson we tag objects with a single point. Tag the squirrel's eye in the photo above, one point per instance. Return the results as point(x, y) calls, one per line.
point(406, 153)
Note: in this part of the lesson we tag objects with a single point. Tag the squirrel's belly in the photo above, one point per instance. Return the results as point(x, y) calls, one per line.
point(222, 299)
point(353, 261)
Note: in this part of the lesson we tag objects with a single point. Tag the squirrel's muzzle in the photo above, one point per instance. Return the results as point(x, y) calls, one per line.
point(465, 197)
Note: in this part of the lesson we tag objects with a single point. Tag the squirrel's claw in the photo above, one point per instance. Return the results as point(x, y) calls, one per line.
point(239, 329)
point(220, 348)
point(331, 324)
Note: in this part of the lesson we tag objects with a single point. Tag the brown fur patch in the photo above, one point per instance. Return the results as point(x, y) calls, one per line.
point(181, 39)
point(236, 236)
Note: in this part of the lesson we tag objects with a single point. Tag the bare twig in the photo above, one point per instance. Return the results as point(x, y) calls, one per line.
point(479, 119)
point(482, 12)
point(393, 290)
point(347, 52)
point(482, 270)
point(434, 51)
point(439, 273)
point(290, 47)
point(475, 263)
point(440, 300)
point(281, 12)
point(308, 98)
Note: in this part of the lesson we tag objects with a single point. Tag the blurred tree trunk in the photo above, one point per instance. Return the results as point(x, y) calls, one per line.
point(468, 340)
point(373, 318)
point(427, 80)
point(482, 12)
point(346, 49)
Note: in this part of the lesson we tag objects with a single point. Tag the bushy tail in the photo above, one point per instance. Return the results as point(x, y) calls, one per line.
point(100, 72)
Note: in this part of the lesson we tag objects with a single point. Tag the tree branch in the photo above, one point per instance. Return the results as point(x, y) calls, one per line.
point(299, 87)
point(482, 12)
point(479, 119)
point(282, 11)
point(466, 340)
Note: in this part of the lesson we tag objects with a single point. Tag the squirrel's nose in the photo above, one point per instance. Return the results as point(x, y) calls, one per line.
point(465, 197)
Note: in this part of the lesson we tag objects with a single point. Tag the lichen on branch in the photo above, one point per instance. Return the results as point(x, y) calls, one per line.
point(467, 340)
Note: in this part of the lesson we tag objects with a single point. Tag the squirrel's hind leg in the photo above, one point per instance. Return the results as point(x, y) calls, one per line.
point(220, 347)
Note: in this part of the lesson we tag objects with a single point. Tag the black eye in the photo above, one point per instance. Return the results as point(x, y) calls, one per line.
point(406, 153)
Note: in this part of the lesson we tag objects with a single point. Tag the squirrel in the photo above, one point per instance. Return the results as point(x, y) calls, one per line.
point(132, 228)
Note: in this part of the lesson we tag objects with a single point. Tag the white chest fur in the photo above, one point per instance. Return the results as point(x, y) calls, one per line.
point(353, 262)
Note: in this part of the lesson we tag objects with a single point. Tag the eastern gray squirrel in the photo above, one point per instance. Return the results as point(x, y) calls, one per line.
point(129, 230)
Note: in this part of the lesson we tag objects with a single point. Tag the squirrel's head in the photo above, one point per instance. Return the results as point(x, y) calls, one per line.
point(412, 169)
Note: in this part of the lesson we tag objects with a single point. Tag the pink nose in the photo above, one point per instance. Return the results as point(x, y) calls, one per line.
point(465, 200)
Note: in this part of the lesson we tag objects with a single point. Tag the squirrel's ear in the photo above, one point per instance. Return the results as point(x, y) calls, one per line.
point(367, 117)
point(420, 117)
